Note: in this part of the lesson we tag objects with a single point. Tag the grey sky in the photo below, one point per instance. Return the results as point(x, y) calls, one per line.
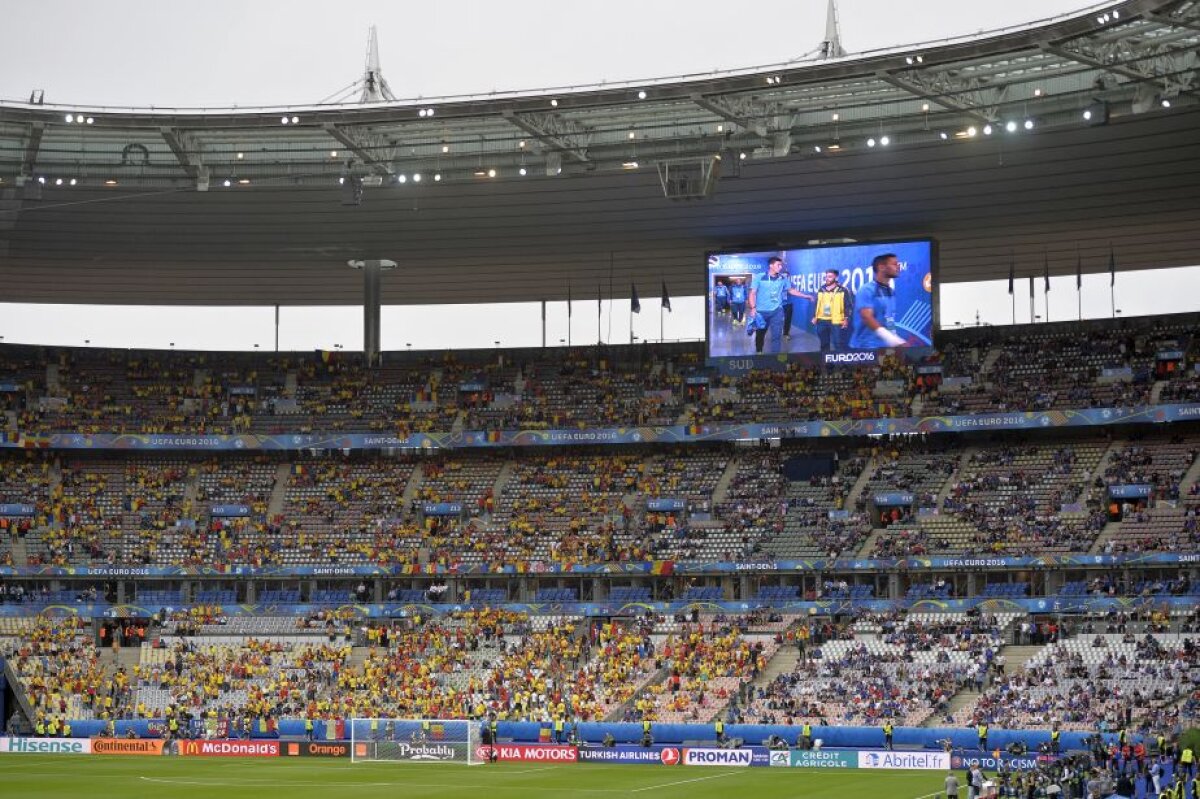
point(273, 52)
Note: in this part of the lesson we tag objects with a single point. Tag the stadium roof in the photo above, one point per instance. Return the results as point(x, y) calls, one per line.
point(149, 218)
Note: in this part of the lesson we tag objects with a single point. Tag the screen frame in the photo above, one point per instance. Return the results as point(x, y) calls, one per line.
point(742, 249)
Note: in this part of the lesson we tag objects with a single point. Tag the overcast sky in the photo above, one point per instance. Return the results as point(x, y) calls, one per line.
point(278, 52)
point(287, 52)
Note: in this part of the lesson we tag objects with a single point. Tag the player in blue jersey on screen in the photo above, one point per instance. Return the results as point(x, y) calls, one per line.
point(768, 294)
point(737, 300)
point(875, 308)
point(721, 297)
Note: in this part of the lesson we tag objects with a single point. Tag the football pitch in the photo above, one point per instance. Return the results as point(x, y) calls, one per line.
point(66, 777)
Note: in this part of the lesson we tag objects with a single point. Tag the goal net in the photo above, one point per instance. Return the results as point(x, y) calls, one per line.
point(415, 740)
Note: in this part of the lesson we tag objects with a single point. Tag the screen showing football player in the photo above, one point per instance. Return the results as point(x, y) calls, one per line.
point(768, 295)
point(875, 308)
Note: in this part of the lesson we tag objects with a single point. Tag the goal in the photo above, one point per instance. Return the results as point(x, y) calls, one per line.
point(415, 740)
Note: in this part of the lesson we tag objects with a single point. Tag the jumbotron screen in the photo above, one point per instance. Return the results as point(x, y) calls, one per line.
point(840, 298)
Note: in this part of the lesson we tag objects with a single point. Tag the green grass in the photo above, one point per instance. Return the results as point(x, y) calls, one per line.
point(69, 777)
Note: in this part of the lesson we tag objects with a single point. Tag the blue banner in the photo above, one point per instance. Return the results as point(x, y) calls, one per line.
point(1029, 420)
point(1116, 371)
point(930, 369)
point(696, 380)
point(665, 504)
point(893, 499)
point(9, 388)
point(442, 508)
point(231, 511)
point(1054, 604)
point(1130, 491)
point(1170, 355)
point(845, 565)
point(243, 390)
point(17, 510)
point(472, 388)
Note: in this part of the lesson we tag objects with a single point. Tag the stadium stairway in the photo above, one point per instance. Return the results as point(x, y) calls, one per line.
point(957, 702)
point(358, 656)
point(1016, 657)
point(961, 466)
point(53, 386)
point(1190, 477)
point(990, 359)
point(1114, 447)
point(784, 662)
point(721, 489)
point(869, 544)
point(278, 491)
point(414, 484)
point(860, 485)
point(18, 689)
point(1109, 530)
point(1156, 391)
point(20, 553)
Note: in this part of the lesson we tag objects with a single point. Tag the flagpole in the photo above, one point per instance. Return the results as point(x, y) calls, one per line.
point(1079, 281)
point(1046, 290)
point(1032, 302)
point(1112, 280)
point(1012, 268)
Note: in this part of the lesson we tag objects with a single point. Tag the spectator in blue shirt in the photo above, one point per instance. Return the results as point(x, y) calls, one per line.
point(768, 295)
point(875, 308)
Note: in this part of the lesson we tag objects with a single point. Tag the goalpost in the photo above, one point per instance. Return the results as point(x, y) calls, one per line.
point(416, 741)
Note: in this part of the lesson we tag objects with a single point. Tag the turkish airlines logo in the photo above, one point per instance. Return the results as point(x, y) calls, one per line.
point(669, 757)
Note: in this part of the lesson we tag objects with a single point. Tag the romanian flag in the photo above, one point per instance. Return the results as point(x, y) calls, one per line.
point(326, 355)
point(665, 567)
point(298, 468)
point(493, 436)
point(35, 442)
point(695, 430)
point(437, 732)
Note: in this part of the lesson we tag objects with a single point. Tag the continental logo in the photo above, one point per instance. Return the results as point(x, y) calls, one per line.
point(127, 746)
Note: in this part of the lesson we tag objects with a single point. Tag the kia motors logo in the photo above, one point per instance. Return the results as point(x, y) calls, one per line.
point(669, 757)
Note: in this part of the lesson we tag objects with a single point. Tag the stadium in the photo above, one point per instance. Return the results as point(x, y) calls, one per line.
point(836, 545)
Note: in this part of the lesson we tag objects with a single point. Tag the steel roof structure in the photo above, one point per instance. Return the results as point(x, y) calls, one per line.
point(979, 141)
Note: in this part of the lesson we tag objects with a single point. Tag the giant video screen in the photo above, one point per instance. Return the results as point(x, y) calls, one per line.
point(841, 298)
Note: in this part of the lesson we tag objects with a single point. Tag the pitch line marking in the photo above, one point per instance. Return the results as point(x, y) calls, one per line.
point(685, 782)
